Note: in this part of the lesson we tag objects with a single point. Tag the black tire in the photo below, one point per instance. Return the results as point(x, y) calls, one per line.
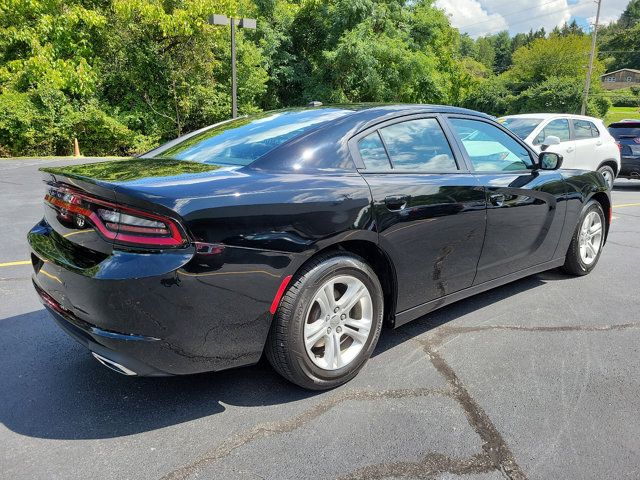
point(574, 264)
point(285, 348)
point(608, 174)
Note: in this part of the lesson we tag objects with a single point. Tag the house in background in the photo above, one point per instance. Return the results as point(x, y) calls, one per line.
point(623, 78)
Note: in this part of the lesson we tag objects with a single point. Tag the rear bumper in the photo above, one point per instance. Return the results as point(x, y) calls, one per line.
point(630, 167)
point(164, 313)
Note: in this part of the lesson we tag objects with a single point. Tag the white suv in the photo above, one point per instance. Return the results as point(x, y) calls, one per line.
point(584, 142)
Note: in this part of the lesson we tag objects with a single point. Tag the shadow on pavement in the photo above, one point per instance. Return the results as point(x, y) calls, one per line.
point(51, 388)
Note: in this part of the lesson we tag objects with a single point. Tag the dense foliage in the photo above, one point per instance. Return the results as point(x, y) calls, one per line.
point(125, 75)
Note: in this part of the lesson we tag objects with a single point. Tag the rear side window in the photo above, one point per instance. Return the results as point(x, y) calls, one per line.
point(244, 140)
point(489, 148)
point(418, 145)
point(584, 129)
point(556, 128)
point(373, 153)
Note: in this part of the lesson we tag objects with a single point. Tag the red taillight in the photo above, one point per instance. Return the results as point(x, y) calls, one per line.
point(115, 222)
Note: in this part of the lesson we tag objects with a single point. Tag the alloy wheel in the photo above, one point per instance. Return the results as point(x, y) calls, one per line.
point(338, 322)
point(590, 239)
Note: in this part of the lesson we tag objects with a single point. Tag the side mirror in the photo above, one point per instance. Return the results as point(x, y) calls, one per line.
point(549, 161)
point(551, 140)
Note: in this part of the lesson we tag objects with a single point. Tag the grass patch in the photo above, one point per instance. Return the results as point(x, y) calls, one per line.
point(616, 114)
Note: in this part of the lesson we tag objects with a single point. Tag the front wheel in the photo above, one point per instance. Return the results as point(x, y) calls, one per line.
point(328, 322)
point(588, 239)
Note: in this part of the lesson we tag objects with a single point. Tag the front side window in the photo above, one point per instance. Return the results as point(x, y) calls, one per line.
point(489, 148)
point(521, 126)
point(556, 128)
point(584, 129)
point(418, 145)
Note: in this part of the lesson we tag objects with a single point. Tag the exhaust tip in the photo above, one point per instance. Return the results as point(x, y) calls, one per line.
point(116, 367)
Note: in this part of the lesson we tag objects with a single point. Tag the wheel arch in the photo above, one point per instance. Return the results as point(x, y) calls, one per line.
point(604, 201)
point(610, 162)
point(379, 262)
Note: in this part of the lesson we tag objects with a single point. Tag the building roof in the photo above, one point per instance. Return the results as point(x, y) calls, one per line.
point(621, 70)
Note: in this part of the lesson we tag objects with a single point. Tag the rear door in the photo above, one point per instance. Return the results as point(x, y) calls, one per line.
point(589, 145)
point(560, 128)
point(429, 210)
point(525, 211)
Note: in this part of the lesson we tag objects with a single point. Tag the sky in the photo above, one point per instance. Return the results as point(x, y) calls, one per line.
point(483, 17)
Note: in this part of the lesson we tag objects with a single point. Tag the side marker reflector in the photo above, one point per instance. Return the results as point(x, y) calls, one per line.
point(279, 293)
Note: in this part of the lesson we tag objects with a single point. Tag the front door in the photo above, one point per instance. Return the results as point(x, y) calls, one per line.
point(525, 207)
point(567, 148)
point(429, 210)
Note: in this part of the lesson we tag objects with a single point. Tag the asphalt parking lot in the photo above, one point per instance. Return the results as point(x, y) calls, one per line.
point(537, 379)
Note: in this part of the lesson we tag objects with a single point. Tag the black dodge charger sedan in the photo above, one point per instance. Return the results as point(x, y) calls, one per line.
point(298, 233)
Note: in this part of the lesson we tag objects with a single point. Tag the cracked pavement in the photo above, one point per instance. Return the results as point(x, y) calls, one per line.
point(537, 379)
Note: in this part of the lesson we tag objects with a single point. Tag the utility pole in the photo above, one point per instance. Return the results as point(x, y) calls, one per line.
point(244, 23)
point(587, 83)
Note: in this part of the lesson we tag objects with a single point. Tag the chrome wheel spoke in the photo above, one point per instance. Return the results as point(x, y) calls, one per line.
point(351, 296)
point(359, 335)
point(327, 297)
point(314, 333)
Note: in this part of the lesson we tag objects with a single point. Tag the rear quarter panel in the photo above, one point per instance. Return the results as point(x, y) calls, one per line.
point(582, 186)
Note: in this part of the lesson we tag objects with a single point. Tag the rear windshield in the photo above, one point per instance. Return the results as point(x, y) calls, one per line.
point(522, 127)
point(632, 130)
point(242, 141)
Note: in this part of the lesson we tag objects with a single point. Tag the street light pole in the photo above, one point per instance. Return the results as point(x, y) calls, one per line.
point(587, 83)
point(234, 86)
point(244, 23)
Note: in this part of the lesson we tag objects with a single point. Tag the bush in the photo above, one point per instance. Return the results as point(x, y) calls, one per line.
point(624, 98)
point(490, 96)
point(560, 95)
point(44, 122)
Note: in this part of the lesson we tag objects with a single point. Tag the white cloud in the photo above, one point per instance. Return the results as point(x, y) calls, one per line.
point(481, 17)
point(472, 14)
point(610, 12)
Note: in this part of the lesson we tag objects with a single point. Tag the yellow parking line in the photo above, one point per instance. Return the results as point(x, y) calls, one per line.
point(13, 264)
point(627, 205)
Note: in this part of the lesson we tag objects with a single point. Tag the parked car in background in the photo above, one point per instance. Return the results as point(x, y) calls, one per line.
point(299, 233)
point(584, 142)
point(627, 134)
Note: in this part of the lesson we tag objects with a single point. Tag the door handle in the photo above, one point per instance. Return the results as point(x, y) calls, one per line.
point(570, 149)
point(598, 143)
point(396, 202)
point(497, 199)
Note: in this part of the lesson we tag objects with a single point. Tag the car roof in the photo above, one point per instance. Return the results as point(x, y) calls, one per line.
point(398, 109)
point(547, 116)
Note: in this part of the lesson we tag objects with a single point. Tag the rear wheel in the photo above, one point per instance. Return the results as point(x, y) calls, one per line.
point(328, 322)
point(608, 174)
point(588, 239)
